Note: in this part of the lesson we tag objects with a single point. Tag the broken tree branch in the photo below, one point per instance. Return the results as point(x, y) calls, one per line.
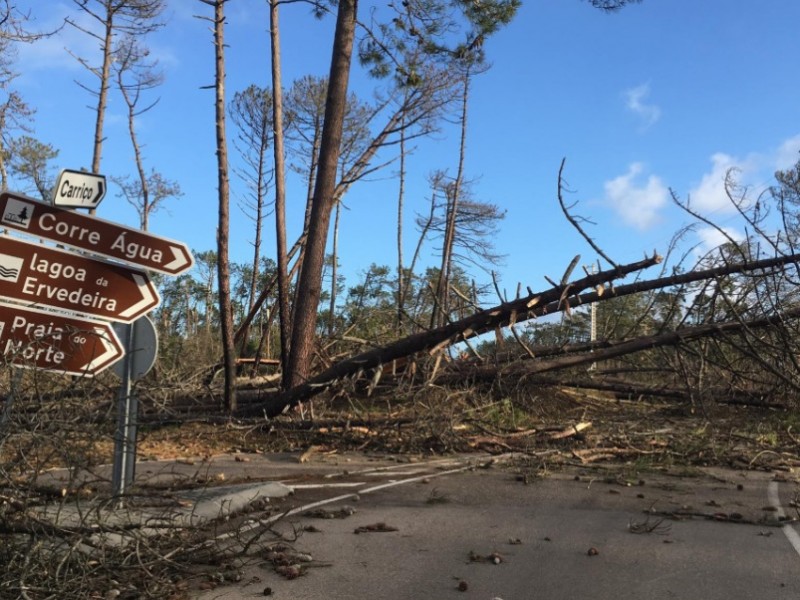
point(607, 349)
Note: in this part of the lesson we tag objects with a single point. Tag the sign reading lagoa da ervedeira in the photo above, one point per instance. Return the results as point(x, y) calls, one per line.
point(37, 275)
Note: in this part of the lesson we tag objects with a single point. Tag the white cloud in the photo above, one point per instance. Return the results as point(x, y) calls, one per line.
point(53, 52)
point(749, 175)
point(637, 202)
point(788, 153)
point(49, 52)
point(711, 238)
point(635, 101)
point(711, 194)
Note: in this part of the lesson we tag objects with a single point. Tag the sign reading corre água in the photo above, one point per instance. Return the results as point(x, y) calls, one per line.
point(98, 236)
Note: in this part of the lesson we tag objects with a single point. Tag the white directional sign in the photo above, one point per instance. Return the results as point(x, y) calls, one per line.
point(78, 189)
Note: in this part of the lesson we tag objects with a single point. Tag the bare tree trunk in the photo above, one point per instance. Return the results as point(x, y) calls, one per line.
point(401, 291)
point(334, 270)
point(137, 155)
point(3, 154)
point(251, 295)
point(102, 96)
point(265, 292)
point(223, 229)
point(310, 282)
point(3, 170)
point(441, 306)
point(284, 314)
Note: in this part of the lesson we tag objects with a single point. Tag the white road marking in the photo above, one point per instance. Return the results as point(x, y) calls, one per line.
point(313, 486)
point(440, 463)
point(256, 523)
point(789, 531)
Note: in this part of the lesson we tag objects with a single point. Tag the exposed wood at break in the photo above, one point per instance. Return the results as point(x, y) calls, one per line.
point(571, 430)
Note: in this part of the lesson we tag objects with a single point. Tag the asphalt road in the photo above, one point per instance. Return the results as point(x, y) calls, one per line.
point(433, 531)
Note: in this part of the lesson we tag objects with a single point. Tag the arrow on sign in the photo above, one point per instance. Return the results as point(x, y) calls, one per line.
point(87, 232)
point(56, 342)
point(38, 275)
point(79, 189)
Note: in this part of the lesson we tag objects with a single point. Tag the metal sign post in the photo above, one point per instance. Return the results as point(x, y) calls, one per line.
point(127, 414)
point(141, 342)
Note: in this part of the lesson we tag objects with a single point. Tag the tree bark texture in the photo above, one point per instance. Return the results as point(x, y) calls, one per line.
point(223, 227)
point(310, 283)
point(284, 314)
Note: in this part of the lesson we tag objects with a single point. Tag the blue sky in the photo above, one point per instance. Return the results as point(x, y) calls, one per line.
point(664, 95)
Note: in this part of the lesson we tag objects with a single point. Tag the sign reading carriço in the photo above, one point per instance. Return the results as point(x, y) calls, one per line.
point(86, 232)
point(79, 189)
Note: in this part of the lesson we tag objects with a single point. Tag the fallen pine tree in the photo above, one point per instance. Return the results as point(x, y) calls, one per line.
point(558, 298)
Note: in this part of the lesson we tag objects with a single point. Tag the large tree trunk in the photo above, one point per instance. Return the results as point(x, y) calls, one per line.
point(481, 322)
point(556, 299)
point(284, 315)
point(310, 282)
point(400, 297)
point(223, 229)
point(334, 271)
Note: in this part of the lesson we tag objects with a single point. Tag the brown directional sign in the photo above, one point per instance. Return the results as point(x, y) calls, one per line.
point(86, 232)
point(57, 342)
point(40, 276)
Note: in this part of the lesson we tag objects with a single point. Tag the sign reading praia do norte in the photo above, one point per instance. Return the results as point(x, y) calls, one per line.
point(86, 232)
point(57, 342)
